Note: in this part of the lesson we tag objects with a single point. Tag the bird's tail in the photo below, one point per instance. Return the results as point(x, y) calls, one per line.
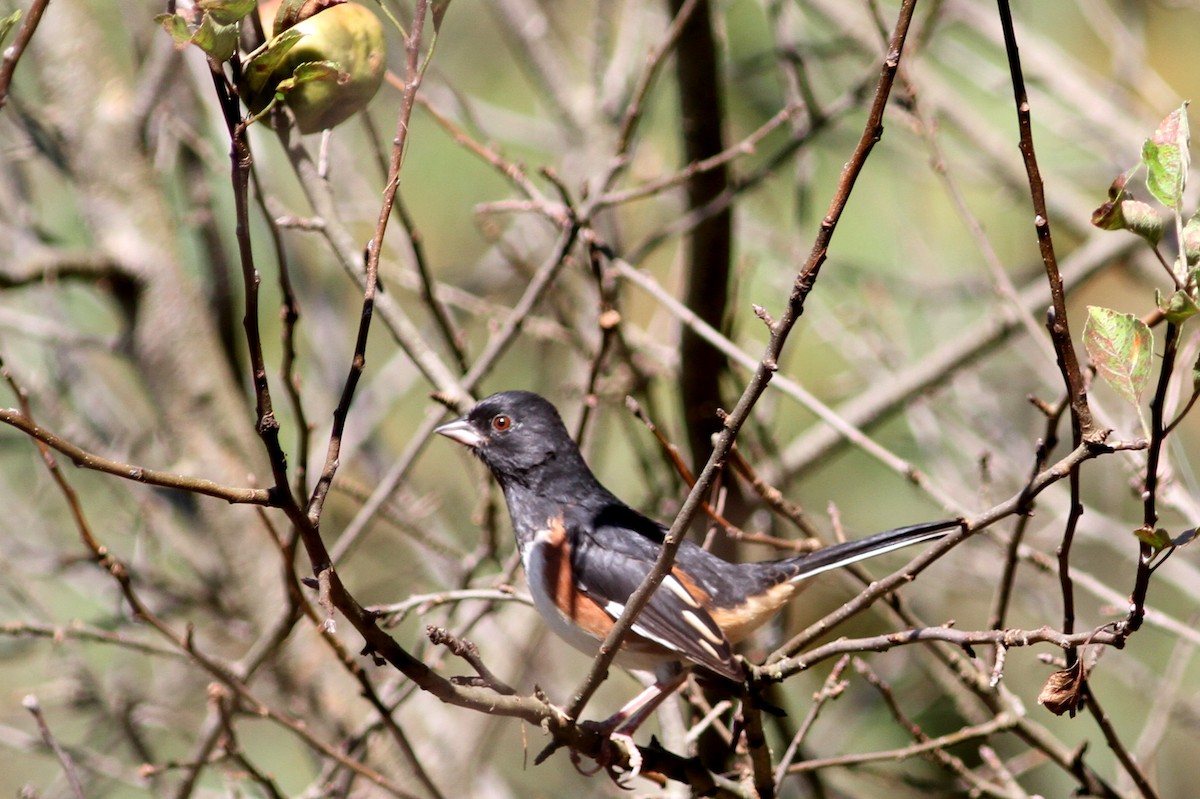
point(839, 555)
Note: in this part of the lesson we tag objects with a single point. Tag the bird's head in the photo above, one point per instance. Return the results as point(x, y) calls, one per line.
point(520, 437)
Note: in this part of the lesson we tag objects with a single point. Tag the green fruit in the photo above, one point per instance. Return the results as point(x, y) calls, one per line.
point(330, 73)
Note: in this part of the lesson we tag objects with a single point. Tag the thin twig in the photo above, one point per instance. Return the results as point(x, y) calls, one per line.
point(422, 603)
point(68, 765)
point(782, 383)
point(12, 53)
point(775, 499)
point(129, 471)
point(1000, 723)
point(943, 758)
point(781, 669)
point(77, 631)
point(1045, 447)
point(1141, 584)
point(468, 651)
point(414, 73)
point(290, 317)
point(833, 687)
point(1114, 743)
point(763, 373)
point(1063, 468)
point(1060, 331)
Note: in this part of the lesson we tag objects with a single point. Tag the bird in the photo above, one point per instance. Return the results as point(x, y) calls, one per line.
point(585, 552)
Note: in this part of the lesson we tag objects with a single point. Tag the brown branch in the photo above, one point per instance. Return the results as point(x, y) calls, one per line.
point(709, 245)
point(290, 317)
point(1141, 585)
point(939, 755)
point(468, 651)
point(781, 669)
point(1045, 447)
point(82, 632)
point(1082, 425)
point(1060, 331)
point(128, 471)
point(833, 687)
point(241, 162)
point(763, 373)
point(775, 500)
point(756, 745)
point(34, 707)
point(1114, 743)
point(1000, 723)
point(1063, 468)
point(13, 52)
point(414, 74)
point(672, 453)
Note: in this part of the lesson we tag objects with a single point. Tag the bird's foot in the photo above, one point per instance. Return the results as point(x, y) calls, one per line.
point(618, 756)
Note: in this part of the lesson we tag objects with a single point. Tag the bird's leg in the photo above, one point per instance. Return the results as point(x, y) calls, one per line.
point(620, 726)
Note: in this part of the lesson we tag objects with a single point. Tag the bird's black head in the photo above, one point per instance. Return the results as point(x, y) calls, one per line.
point(522, 439)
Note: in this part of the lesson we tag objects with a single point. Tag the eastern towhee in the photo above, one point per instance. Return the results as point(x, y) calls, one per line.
point(585, 551)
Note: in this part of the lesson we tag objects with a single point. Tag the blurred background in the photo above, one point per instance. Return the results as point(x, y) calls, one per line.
point(121, 317)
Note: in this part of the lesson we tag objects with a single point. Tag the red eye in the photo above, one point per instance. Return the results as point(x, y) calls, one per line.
point(500, 423)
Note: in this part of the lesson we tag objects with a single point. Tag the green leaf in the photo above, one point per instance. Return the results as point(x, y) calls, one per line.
point(1122, 212)
point(264, 61)
point(1180, 307)
point(177, 27)
point(1185, 538)
point(1108, 216)
point(7, 24)
point(1120, 347)
point(311, 72)
point(1166, 157)
point(317, 70)
point(1158, 539)
point(217, 39)
point(1132, 215)
point(1142, 219)
point(227, 12)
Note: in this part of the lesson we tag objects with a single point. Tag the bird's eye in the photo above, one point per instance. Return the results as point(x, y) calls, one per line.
point(500, 423)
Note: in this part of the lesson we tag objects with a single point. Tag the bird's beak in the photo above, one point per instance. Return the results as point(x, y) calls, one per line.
point(462, 431)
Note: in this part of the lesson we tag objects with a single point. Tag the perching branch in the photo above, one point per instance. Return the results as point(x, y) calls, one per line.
point(763, 373)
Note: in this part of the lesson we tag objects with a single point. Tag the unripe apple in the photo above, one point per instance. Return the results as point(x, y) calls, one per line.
point(341, 58)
